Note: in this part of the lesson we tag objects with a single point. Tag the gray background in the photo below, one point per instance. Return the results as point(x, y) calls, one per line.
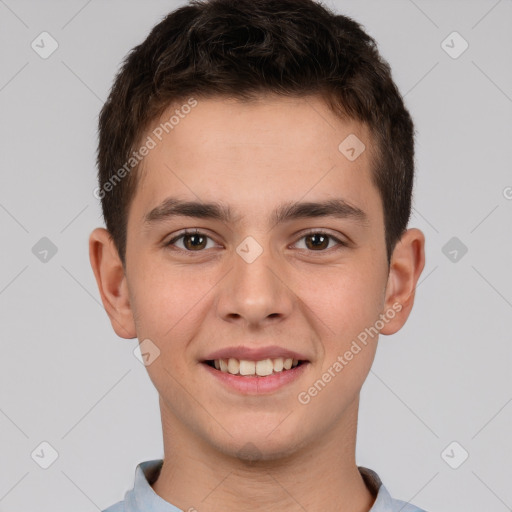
point(67, 379)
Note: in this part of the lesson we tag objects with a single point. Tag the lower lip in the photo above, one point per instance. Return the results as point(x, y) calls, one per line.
point(257, 385)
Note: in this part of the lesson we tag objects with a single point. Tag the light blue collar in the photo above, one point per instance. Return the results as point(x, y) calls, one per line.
point(143, 498)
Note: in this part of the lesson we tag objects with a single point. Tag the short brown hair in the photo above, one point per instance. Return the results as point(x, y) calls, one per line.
point(244, 48)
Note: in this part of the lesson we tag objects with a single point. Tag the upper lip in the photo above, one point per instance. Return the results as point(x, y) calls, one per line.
point(255, 354)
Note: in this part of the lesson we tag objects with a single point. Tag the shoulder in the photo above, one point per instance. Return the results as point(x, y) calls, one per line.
point(141, 493)
point(403, 506)
point(116, 507)
point(384, 502)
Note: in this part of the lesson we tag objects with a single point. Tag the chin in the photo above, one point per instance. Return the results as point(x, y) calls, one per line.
point(260, 449)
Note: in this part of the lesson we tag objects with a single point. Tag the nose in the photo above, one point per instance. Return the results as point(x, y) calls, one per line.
point(255, 292)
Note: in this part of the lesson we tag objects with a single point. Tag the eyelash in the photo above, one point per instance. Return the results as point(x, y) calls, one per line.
point(185, 233)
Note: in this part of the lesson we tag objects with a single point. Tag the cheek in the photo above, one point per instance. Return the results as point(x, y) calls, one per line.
point(344, 299)
point(170, 307)
point(167, 302)
point(348, 303)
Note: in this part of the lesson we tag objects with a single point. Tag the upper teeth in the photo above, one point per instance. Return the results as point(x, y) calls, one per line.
point(260, 368)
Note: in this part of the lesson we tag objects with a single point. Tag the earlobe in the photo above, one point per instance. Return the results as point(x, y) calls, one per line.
point(111, 280)
point(407, 263)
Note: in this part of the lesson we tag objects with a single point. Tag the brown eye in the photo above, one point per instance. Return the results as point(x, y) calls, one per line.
point(318, 241)
point(192, 241)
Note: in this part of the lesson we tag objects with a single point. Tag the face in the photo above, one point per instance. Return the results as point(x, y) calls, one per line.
point(269, 282)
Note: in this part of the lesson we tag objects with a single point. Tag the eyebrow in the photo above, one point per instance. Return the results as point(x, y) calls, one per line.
point(339, 208)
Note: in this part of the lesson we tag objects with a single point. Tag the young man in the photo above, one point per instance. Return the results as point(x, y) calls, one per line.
point(256, 171)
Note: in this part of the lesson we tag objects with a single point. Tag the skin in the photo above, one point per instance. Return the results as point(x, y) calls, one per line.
point(252, 157)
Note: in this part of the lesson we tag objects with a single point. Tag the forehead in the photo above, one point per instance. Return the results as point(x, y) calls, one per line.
point(257, 153)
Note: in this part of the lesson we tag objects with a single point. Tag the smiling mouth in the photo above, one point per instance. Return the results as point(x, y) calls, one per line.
point(262, 368)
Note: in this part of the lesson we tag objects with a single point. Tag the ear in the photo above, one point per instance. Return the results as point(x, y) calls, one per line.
point(111, 280)
point(407, 263)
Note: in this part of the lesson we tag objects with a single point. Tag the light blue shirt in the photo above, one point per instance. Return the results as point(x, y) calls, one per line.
point(142, 498)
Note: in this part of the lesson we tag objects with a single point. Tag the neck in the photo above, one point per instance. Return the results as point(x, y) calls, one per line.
point(321, 476)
